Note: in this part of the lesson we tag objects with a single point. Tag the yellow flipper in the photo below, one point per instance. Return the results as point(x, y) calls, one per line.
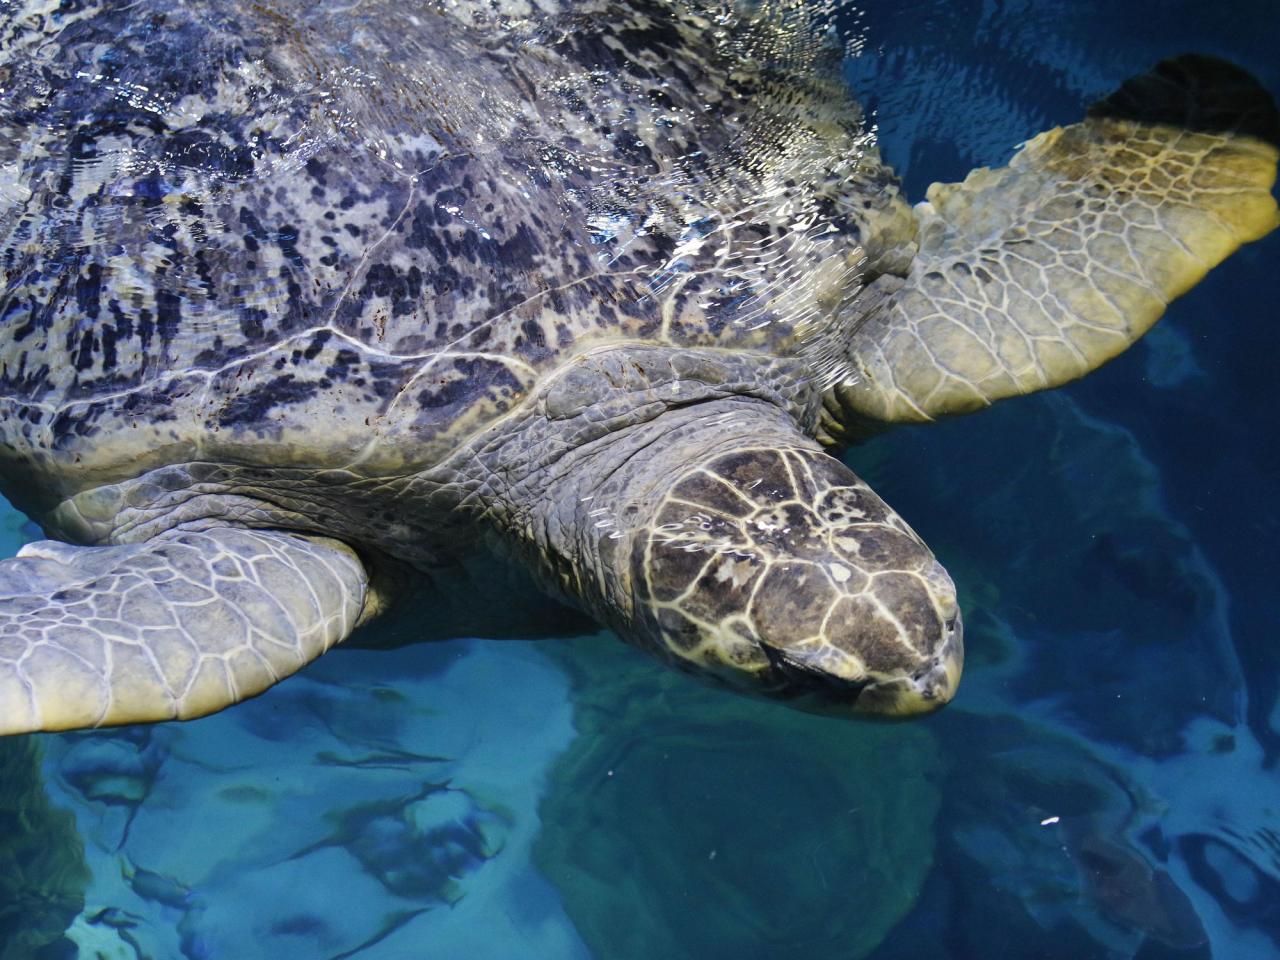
point(1031, 275)
point(173, 628)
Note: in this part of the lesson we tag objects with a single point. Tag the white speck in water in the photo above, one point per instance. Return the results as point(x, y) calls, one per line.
point(1048, 821)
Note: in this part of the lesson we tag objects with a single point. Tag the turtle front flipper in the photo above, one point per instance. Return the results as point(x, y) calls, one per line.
point(1031, 275)
point(174, 628)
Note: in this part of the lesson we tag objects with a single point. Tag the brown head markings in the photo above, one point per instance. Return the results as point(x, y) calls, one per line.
point(781, 566)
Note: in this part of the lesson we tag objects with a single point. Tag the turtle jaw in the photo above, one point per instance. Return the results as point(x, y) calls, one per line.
point(833, 690)
point(923, 691)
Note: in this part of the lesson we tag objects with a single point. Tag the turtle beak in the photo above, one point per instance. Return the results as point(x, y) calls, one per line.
point(821, 691)
point(924, 691)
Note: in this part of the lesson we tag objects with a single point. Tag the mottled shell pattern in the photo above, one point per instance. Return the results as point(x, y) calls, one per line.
point(324, 235)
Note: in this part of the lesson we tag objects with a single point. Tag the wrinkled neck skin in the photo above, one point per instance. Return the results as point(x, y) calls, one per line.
point(577, 484)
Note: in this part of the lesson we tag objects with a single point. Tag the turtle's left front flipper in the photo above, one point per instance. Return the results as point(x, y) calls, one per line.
point(1032, 275)
point(174, 628)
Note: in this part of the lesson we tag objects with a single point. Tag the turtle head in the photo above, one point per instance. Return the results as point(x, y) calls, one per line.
point(780, 570)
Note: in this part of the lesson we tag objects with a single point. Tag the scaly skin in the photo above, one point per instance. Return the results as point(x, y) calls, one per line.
point(1031, 275)
point(719, 536)
point(173, 628)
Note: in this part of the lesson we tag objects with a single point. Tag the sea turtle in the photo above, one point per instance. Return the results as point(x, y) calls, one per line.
point(307, 300)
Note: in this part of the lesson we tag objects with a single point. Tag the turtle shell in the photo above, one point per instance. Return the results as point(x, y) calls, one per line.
point(333, 235)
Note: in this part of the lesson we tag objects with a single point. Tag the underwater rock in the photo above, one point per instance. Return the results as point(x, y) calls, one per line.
point(375, 804)
point(1061, 845)
point(687, 822)
point(420, 849)
point(117, 770)
point(1128, 890)
point(42, 866)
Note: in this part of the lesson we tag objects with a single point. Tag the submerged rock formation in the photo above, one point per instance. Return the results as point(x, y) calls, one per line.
point(42, 868)
point(684, 822)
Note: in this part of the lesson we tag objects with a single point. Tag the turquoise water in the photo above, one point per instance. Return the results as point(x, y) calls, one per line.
point(1105, 785)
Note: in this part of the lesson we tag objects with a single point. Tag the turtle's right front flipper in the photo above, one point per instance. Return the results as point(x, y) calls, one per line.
point(174, 628)
point(1033, 274)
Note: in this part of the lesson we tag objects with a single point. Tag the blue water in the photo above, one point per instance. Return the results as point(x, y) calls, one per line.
point(1105, 785)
